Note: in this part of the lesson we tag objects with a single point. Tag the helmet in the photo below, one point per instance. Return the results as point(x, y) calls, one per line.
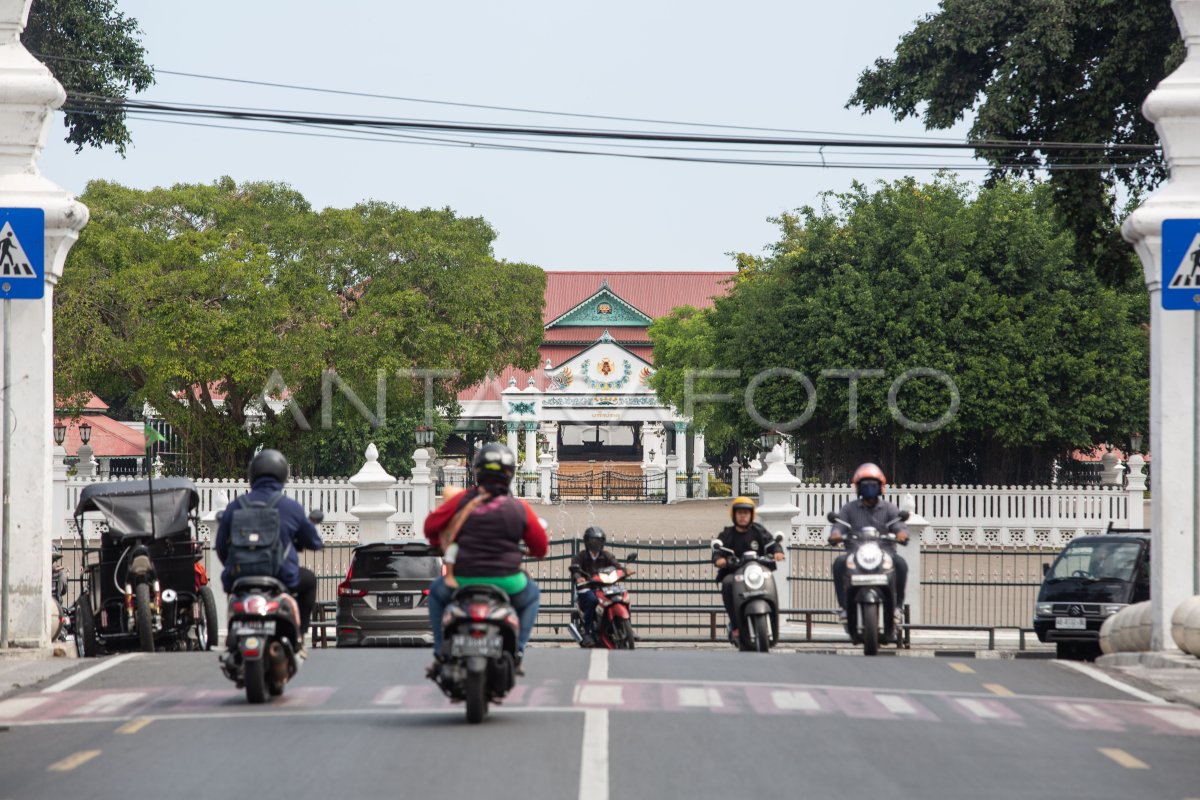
point(741, 502)
point(594, 536)
point(494, 464)
point(868, 472)
point(268, 462)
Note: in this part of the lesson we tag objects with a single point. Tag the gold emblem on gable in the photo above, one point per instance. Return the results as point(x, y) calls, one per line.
point(606, 367)
point(604, 308)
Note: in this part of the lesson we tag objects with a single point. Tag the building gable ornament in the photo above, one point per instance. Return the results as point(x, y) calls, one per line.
point(573, 401)
point(521, 408)
point(605, 368)
point(602, 308)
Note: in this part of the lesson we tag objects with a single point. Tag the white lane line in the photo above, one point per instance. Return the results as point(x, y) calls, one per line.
point(699, 697)
point(1179, 717)
point(794, 701)
point(80, 677)
point(16, 706)
point(593, 762)
point(1108, 680)
point(896, 704)
point(977, 708)
point(604, 694)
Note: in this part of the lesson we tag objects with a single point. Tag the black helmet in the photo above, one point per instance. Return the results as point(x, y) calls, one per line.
point(594, 536)
point(494, 464)
point(268, 462)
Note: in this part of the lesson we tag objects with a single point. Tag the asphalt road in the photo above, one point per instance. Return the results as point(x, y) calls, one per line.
point(595, 725)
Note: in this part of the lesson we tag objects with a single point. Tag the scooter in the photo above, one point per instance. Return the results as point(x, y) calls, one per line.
point(870, 586)
point(755, 598)
point(479, 650)
point(614, 629)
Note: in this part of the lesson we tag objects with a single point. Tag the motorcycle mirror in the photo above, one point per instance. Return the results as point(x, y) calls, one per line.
point(778, 537)
point(631, 557)
point(316, 515)
point(904, 515)
point(716, 544)
point(832, 517)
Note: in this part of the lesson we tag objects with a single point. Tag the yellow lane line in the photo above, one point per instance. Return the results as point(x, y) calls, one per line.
point(134, 725)
point(71, 762)
point(1123, 758)
point(961, 667)
point(996, 688)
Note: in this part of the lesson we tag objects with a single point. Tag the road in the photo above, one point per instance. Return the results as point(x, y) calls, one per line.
point(593, 725)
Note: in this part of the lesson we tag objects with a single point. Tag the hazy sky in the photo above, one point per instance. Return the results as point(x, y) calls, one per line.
point(787, 65)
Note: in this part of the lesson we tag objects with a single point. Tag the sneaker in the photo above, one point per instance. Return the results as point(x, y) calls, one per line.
point(899, 616)
point(841, 615)
point(301, 652)
point(435, 668)
point(517, 660)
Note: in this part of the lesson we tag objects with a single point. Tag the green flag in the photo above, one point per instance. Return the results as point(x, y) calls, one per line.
point(152, 435)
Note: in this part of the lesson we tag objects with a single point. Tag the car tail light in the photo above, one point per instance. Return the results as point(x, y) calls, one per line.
point(479, 611)
point(344, 589)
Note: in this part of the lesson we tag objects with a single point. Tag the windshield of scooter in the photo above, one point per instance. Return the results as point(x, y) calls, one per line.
point(1096, 561)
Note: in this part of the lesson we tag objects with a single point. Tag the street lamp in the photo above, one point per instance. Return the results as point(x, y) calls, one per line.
point(60, 433)
point(424, 436)
point(768, 439)
point(1135, 443)
point(85, 433)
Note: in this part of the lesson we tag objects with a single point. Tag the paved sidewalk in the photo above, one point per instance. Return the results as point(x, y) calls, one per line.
point(1171, 675)
point(24, 666)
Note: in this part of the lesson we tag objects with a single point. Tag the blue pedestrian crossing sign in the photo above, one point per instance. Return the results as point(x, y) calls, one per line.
point(1181, 264)
point(22, 253)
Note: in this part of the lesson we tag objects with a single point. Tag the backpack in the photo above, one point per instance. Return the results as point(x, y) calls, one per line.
point(257, 545)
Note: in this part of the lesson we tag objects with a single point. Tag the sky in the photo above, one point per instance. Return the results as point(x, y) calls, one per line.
point(782, 65)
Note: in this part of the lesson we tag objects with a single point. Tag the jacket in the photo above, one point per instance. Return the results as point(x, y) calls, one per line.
point(587, 564)
point(294, 526)
point(754, 538)
point(489, 542)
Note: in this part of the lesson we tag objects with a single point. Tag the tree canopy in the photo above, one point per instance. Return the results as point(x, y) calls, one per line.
point(1061, 71)
point(981, 287)
point(95, 53)
point(199, 298)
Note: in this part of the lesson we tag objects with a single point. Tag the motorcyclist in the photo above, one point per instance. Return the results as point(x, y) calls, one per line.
point(585, 565)
point(268, 471)
point(869, 510)
point(489, 526)
point(743, 535)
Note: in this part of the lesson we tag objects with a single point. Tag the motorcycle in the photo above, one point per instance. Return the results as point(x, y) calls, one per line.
point(614, 630)
point(264, 635)
point(870, 586)
point(755, 598)
point(479, 651)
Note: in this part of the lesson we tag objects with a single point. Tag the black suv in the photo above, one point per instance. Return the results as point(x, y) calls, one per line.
point(1093, 578)
point(383, 600)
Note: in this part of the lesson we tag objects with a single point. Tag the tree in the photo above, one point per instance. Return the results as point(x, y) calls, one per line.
point(983, 288)
point(1061, 71)
point(201, 299)
point(94, 52)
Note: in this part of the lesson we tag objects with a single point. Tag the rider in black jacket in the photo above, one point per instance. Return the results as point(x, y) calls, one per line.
point(584, 566)
point(743, 535)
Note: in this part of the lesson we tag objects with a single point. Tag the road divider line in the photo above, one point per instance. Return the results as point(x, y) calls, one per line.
point(72, 761)
point(80, 677)
point(593, 762)
point(958, 666)
point(1123, 758)
point(1108, 680)
point(134, 725)
point(996, 688)
point(598, 666)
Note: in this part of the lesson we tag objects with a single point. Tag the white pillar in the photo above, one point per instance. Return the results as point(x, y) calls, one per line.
point(58, 506)
point(85, 467)
point(1174, 108)
point(698, 443)
point(513, 439)
point(531, 462)
point(371, 507)
point(672, 486)
point(213, 565)
point(550, 436)
point(1137, 491)
point(422, 491)
point(776, 510)
point(545, 469)
point(916, 525)
point(1110, 469)
point(705, 472)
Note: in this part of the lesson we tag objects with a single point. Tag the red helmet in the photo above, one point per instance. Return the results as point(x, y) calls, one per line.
point(869, 472)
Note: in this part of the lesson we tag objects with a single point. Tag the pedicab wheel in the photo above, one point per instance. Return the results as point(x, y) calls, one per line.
point(206, 621)
point(623, 634)
point(86, 644)
point(141, 614)
point(476, 697)
point(762, 633)
point(870, 625)
point(256, 681)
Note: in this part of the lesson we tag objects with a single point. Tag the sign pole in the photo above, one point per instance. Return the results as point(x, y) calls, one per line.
point(7, 544)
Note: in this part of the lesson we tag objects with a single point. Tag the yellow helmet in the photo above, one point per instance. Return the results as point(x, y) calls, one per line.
point(741, 502)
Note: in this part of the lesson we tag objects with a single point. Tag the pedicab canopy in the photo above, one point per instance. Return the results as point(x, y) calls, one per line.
point(126, 506)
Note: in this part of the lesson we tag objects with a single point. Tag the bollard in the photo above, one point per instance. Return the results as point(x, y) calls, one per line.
point(1191, 631)
point(1106, 644)
point(1177, 619)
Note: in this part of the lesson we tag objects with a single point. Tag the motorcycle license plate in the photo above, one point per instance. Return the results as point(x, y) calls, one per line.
point(1070, 623)
point(486, 646)
point(250, 627)
point(869, 580)
point(394, 600)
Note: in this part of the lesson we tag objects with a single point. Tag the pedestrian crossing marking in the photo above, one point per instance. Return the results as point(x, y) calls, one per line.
point(107, 704)
point(391, 696)
point(601, 694)
point(896, 704)
point(795, 700)
point(978, 708)
point(1187, 273)
point(1124, 759)
point(1180, 718)
point(699, 697)
point(14, 263)
point(16, 706)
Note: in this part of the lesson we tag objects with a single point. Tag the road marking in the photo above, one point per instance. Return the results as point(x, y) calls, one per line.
point(601, 694)
point(977, 708)
point(16, 706)
point(1086, 714)
point(107, 703)
point(72, 761)
point(1123, 758)
point(958, 666)
point(134, 725)
point(1108, 680)
point(1180, 718)
point(699, 697)
point(593, 762)
point(896, 704)
point(794, 700)
point(392, 696)
point(80, 677)
point(996, 688)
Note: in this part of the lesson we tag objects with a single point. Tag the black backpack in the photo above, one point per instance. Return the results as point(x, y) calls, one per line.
point(257, 545)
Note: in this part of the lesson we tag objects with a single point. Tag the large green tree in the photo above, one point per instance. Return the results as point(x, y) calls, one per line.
point(1046, 71)
point(95, 53)
point(981, 287)
point(200, 299)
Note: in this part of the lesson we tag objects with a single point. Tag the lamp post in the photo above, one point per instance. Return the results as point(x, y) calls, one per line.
point(85, 433)
point(85, 465)
point(1135, 443)
point(768, 439)
point(424, 436)
point(60, 433)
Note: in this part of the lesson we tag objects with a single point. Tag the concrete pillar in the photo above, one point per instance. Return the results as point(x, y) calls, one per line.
point(1136, 489)
point(698, 443)
point(58, 506)
point(531, 462)
point(545, 470)
point(1174, 108)
point(213, 565)
point(912, 554)
point(511, 429)
point(672, 487)
point(705, 472)
point(371, 507)
point(1111, 469)
point(550, 437)
point(423, 499)
point(86, 466)
point(776, 509)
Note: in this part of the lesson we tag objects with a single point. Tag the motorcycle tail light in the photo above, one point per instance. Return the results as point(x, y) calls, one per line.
point(272, 607)
point(479, 611)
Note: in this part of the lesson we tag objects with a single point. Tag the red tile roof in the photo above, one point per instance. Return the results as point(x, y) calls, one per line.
point(587, 334)
point(109, 437)
point(652, 293)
